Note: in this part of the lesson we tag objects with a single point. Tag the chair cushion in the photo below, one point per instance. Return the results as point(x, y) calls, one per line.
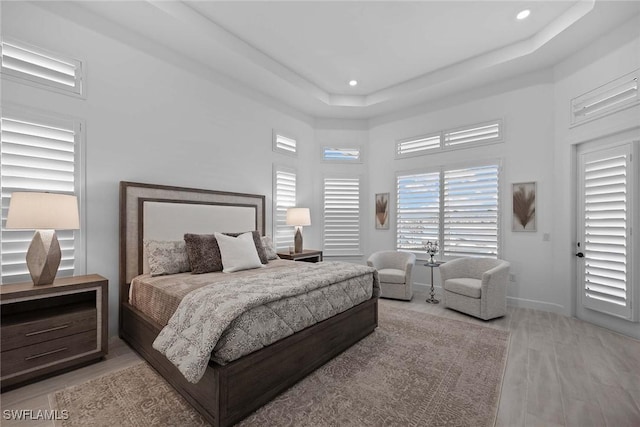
point(464, 286)
point(391, 275)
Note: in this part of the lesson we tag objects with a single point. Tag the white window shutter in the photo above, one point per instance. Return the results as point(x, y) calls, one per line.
point(605, 178)
point(417, 145)
point(36, 155)
point(471, 212)
point(483, 133)
point(284, 144)
point(417, 210)
point(284, 198)
point(342, 216)
point(45, 68)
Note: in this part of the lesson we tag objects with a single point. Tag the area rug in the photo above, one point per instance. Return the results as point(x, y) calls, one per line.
point(414, 370)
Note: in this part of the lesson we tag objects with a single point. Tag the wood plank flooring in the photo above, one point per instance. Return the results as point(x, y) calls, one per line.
point(560, 372)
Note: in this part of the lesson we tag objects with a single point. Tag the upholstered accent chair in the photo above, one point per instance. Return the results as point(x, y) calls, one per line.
point(476, 286)
point(395, 271)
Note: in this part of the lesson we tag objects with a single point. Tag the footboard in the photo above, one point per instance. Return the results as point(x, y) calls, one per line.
point(227, 394)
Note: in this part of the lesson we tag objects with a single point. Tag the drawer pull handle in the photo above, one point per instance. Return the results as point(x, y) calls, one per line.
point(46, 353)
point(44, 331)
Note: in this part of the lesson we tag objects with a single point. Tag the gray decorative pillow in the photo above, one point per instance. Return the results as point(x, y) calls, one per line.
point(203, 253)
point(166, 257)
point(267, 244)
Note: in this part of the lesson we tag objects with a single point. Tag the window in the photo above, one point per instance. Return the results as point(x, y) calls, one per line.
point(284, 144)
point(44, 68)
point(478, 134)
point(609, 98)
point(606, 179)
point(417, 146)
point(457, 207)
point(284, 196)
point(342, 216)
point(333, 154)
point(38, 154)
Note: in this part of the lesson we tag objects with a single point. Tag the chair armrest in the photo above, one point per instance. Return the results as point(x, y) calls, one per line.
point(453, 269)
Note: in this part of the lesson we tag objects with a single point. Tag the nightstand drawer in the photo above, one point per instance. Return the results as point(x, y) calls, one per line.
point(28, 332)
point(34, 356)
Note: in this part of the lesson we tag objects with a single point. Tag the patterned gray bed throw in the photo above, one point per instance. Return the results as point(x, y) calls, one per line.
point(204, 314)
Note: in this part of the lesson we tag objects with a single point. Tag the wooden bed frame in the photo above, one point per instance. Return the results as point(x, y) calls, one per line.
point(227, 394)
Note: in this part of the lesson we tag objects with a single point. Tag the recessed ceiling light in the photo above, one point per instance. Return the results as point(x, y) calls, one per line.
point(353, 82)
point(523, 14)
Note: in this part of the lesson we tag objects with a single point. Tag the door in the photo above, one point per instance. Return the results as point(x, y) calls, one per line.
point(603, 251)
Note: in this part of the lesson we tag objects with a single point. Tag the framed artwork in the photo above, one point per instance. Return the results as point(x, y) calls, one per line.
point(524, 206)
point(382, 211)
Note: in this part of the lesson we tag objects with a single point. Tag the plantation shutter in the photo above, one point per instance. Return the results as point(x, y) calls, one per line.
point(416, 146)
point(342, 216)
point(482, 133)
point(45, 68)
point(285, 197)
point(284, 144)
point(417, 210)
point(37, 155)
point(471, 212)
point(605, 179)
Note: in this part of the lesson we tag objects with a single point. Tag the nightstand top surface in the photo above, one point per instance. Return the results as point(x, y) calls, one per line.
point(28, 288)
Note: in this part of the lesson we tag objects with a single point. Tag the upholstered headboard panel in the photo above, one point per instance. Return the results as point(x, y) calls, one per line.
point(162, 212)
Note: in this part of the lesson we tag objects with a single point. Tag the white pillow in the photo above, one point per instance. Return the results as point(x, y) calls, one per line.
point(238, 253)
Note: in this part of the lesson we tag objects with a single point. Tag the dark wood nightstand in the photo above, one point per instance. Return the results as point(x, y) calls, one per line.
point(48, 329)
point(307, 255)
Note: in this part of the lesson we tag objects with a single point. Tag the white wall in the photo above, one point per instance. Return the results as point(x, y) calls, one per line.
point(150, 121)
point(525, 156)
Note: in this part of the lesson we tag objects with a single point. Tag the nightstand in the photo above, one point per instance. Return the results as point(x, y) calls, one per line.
point(48, 329)
point(307, 255)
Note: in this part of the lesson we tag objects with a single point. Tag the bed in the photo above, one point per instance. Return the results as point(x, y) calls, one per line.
point(227, 392)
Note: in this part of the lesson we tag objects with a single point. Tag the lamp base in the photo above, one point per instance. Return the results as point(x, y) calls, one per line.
point(43, 257)
point(297, 240)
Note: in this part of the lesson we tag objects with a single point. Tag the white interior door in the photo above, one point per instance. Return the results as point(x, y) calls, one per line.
point(605, 189)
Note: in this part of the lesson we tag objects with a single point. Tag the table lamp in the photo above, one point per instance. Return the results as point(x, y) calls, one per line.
point(44, 212)
point(298, 217)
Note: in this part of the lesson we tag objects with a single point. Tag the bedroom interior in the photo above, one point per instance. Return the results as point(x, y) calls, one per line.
point(390, 127)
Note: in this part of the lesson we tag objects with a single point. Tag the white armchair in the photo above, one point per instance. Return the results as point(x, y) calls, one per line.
point(395, 271)
point(476, 286)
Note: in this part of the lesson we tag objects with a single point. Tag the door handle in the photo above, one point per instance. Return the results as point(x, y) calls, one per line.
point(580, 255)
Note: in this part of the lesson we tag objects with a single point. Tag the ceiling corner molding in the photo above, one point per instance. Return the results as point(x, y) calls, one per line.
point(217, 34)
point(486, 60)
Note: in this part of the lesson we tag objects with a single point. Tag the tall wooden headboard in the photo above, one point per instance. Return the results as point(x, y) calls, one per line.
point(161, 212)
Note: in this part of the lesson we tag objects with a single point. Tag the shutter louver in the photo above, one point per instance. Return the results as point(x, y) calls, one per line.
point(284, 144)
point(484, 133)
point(285, 197)
point(35, 157)
point(606, 223)
point(418, 210)
point(417, 146)
point(39, 66)
point(471, 212)
point(342, 216)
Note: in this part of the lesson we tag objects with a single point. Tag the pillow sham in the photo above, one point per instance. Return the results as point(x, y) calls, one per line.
point(238, 253)
point(269, 249)
point(166, 257)
point(203, 253)
point(262, 254)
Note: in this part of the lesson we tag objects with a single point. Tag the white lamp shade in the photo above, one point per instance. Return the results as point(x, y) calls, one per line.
point(298, 216)
point(43, 211)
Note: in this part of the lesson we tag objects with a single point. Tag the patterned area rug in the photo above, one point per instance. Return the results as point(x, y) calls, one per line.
point(415, 370)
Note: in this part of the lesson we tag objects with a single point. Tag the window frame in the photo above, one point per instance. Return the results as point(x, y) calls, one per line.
point(360, 249)
point(77, 91)
point(344, 147)
point(285, 169)
point(441, 169)
point(53, 119)
point(274, 141)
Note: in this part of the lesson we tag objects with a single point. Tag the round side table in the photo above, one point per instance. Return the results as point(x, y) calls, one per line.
point(431, 299)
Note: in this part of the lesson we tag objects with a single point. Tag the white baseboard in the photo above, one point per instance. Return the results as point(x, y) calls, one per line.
point(512, 301)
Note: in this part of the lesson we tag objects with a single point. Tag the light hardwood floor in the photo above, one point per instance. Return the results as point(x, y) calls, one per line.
point(560, 372)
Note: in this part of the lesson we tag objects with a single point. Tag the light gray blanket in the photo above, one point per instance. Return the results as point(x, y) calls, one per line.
point(204, 314)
